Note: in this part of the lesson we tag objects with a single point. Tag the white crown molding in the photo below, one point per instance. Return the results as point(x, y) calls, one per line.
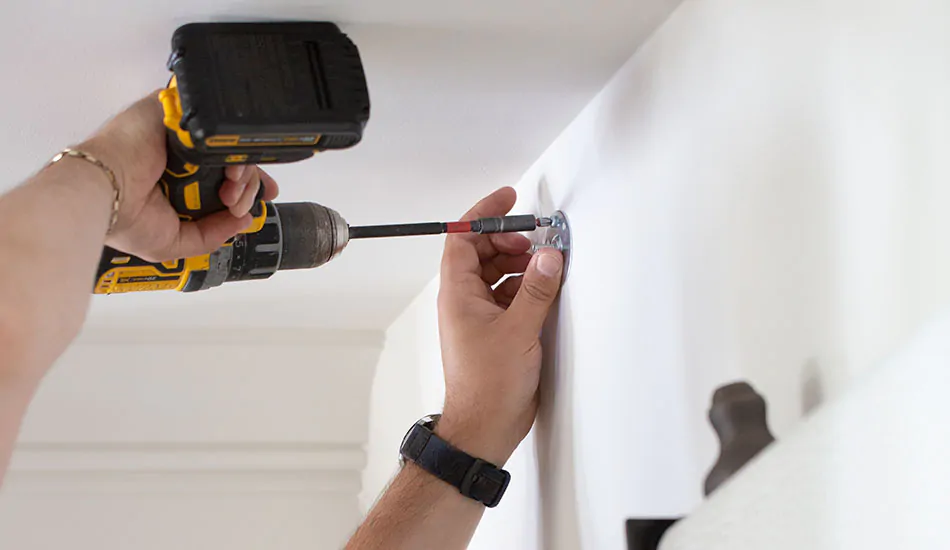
point(331, 484)
point(215, 458)
point(373, 339)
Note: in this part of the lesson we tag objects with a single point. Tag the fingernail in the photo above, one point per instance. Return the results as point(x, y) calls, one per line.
point(548, 264)
point(239, 171)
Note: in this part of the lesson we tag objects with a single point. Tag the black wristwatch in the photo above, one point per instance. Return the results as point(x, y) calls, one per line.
point(473, 477)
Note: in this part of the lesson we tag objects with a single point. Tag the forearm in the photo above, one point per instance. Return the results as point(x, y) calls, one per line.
point(54, 227)
point(418, 511)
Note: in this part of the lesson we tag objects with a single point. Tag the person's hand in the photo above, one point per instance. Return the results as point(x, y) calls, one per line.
point(491, 350)
point(133, 145)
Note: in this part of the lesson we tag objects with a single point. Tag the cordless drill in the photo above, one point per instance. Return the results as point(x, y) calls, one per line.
point(250, 93)
point(260, 93)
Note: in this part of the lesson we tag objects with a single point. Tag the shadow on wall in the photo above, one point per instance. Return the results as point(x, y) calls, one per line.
point(813, 387)
point(559, 526)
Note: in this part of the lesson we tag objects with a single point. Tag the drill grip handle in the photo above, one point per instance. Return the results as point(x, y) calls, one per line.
point(195, 191)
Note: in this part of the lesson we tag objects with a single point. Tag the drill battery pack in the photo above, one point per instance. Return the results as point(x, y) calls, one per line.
point(264, 92)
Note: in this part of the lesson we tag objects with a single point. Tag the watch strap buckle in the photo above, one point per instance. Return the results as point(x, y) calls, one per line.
point(490, 481)
point(471, 476)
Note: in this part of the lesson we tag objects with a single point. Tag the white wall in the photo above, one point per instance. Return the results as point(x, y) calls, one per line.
point(407, 386)
point(239, 439)
point(760, 192)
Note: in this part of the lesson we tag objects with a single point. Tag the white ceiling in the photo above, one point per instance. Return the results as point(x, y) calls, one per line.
point(466, 96)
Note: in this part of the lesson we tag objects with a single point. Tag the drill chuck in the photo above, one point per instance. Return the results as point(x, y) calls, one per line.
point(312, 234)
point(296, 235)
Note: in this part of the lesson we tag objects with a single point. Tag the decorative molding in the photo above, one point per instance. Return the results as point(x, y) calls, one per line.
point(185, 468)
point(333, 484)
point(124, 336)
point(187, 457)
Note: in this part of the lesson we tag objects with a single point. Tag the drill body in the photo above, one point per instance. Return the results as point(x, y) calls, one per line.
point(299, 235)
point(250, 93)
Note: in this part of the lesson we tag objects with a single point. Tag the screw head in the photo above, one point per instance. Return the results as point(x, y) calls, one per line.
point(557, 236)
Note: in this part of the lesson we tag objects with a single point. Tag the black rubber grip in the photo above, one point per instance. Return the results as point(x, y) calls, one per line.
point(194, 191)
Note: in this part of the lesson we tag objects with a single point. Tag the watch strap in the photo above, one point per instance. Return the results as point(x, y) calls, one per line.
point(473, 477)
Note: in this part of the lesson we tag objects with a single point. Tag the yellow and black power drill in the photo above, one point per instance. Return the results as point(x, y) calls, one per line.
point(259, 93)
point(250, 93)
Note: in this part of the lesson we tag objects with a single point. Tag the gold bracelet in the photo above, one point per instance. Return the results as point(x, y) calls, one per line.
point(116, 197)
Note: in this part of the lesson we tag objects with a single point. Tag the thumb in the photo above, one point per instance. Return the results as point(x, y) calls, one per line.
point(538, 291)
point(208, 234)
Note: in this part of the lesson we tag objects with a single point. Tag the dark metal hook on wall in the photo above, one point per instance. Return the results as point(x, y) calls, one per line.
point(738, 415)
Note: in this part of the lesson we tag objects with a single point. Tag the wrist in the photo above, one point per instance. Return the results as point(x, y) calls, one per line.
point(102, 149)
point(106, 160)
point(476, 438)
point(77, 175)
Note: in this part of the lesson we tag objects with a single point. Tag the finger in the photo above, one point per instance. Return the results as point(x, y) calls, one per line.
point(464, 252)
point(505, 293)
point(271, 188)
point(503, 264)
point(538, 291)
point(150, 108)
point(498, 203)
point(249, 195)
point(510, 257)
point(208, 234)
point(510, 243)
point(233, 186)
